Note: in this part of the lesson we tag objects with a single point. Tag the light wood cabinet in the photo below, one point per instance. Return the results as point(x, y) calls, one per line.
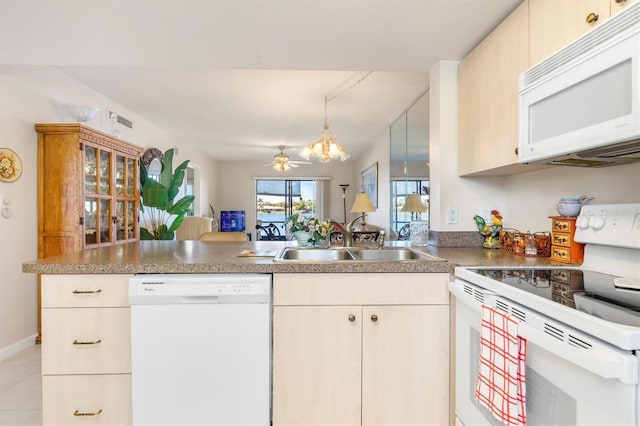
point(86, 350)
point(554, 24)
point(488, 78)
point(360, 349)
point(87, 189)
point(488, 99)
point(86, 400)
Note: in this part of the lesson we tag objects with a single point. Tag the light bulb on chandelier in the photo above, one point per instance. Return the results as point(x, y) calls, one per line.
point(281, 166)
point(326, 148)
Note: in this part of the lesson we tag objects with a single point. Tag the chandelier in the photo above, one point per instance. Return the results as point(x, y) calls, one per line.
point(326, 148)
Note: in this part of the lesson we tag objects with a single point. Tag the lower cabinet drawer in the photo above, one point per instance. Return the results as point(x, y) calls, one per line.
point(86, 341)
point(86, 400)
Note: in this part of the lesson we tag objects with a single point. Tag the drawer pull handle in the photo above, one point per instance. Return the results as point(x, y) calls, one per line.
point(352, 317)
point(591, 18)
point(79, 414)
point(87, 291)
point(76, 342)
point(374, 318)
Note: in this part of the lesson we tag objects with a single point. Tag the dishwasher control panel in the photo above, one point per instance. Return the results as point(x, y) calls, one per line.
point(200, 288)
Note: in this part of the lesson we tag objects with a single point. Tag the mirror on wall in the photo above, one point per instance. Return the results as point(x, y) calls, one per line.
point(409, 170)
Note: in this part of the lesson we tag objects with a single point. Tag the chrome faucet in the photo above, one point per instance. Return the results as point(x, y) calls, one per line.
point(347, 236)
point(380, 240)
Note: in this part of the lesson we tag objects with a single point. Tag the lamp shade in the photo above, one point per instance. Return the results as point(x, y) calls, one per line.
point(413, 204)
point(362, 204)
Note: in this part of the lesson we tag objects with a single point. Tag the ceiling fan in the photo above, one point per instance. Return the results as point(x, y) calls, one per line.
point(282, 163)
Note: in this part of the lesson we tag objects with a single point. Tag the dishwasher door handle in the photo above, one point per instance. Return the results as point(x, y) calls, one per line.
point(200, 299)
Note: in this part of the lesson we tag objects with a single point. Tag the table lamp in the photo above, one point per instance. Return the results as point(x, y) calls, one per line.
point(418, 228)
point(363, 205)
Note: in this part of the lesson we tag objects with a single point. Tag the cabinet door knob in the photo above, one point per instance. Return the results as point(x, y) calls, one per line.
point(620, 1)
point(352, 317)
point(374, 318)
point(591, 18)
point(515, 151)
point(80, 413)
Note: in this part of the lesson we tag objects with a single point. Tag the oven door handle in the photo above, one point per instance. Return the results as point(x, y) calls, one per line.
point(606, 363)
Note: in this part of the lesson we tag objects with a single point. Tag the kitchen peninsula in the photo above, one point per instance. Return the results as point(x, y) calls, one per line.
point(353, 342)
point(224, 257)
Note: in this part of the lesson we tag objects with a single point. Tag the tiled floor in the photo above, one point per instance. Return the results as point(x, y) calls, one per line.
point(21, 389)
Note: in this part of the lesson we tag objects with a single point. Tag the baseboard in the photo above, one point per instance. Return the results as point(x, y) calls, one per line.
point(17, 347)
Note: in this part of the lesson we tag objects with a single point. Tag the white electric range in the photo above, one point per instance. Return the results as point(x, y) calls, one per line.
point(582, 326)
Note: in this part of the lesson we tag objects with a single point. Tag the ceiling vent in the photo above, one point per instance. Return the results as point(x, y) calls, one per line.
point(119, 119)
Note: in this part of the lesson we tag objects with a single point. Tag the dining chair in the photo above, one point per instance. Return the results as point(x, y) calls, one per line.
point(192, 227)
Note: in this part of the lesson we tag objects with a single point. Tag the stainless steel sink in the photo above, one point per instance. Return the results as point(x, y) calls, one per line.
point(293, 254)
point(391, 254)
point(352, 254)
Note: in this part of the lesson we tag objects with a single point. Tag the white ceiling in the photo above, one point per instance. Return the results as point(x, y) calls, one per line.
point(240, 77)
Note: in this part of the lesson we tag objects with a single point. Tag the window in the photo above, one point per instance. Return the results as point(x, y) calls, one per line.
point(400, 189)
point(277, 199)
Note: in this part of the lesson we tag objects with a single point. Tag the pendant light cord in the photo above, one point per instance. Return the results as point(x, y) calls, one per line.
point(330, 98)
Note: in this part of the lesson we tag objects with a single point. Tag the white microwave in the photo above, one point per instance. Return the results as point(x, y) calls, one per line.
point(581, 106)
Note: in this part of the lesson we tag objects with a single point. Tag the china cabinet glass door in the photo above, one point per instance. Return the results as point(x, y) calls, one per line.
point(91, 213)
point(125, 218)
point(97, 195)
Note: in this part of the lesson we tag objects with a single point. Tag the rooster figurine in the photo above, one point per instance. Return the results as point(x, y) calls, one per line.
point(490, 231)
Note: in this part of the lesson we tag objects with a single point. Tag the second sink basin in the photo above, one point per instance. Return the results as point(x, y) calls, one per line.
point(358, 254)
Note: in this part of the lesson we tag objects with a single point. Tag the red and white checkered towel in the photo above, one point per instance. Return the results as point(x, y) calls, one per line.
point(501, 372)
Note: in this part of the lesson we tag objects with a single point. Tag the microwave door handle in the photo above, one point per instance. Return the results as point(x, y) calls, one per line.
point(608, 364)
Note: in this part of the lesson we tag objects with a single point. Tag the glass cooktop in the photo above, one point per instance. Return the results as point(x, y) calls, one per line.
point(592, 292)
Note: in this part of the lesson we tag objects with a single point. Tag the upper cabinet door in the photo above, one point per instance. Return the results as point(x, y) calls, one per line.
point(488, 98)
point(554, 24)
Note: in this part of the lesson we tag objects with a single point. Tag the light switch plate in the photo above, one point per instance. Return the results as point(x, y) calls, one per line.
point(452, 215)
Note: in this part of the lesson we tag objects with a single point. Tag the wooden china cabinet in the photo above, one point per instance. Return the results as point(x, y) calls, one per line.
point(87, 190)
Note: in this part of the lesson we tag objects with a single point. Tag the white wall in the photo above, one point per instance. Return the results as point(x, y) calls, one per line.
point(236, 186)
point(379, 151)
point(32, 95)
point(531, 197)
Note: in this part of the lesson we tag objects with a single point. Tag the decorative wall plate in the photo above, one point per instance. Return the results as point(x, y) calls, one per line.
point(150, 155)
point(10, 165)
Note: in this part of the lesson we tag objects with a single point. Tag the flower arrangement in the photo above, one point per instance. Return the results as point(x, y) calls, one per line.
point(318, 230)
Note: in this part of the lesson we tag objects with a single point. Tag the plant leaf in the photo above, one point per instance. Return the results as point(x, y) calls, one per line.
point(178, 178)
point(145, 234)
point(176, 222)
point(166, 175)
point(155, 195)
point(182, 205)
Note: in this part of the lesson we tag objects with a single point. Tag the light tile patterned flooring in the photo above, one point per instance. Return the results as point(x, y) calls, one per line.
point(21, 389)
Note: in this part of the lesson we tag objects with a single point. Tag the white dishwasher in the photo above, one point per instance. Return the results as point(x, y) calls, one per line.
point(201, 349)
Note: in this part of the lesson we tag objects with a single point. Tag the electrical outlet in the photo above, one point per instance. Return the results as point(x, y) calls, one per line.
point(452, 215)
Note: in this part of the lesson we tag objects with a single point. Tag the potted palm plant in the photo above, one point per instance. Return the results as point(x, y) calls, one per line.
point(161, 215)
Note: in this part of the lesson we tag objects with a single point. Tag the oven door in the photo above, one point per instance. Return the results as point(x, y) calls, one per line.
point(571, 378)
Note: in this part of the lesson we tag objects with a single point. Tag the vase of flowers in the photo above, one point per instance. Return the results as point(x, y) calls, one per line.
point(308, 232)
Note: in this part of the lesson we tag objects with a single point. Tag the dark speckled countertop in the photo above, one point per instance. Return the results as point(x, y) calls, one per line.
point(223, 257)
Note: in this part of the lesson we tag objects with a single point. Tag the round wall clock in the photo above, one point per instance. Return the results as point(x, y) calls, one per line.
point(10, 165)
